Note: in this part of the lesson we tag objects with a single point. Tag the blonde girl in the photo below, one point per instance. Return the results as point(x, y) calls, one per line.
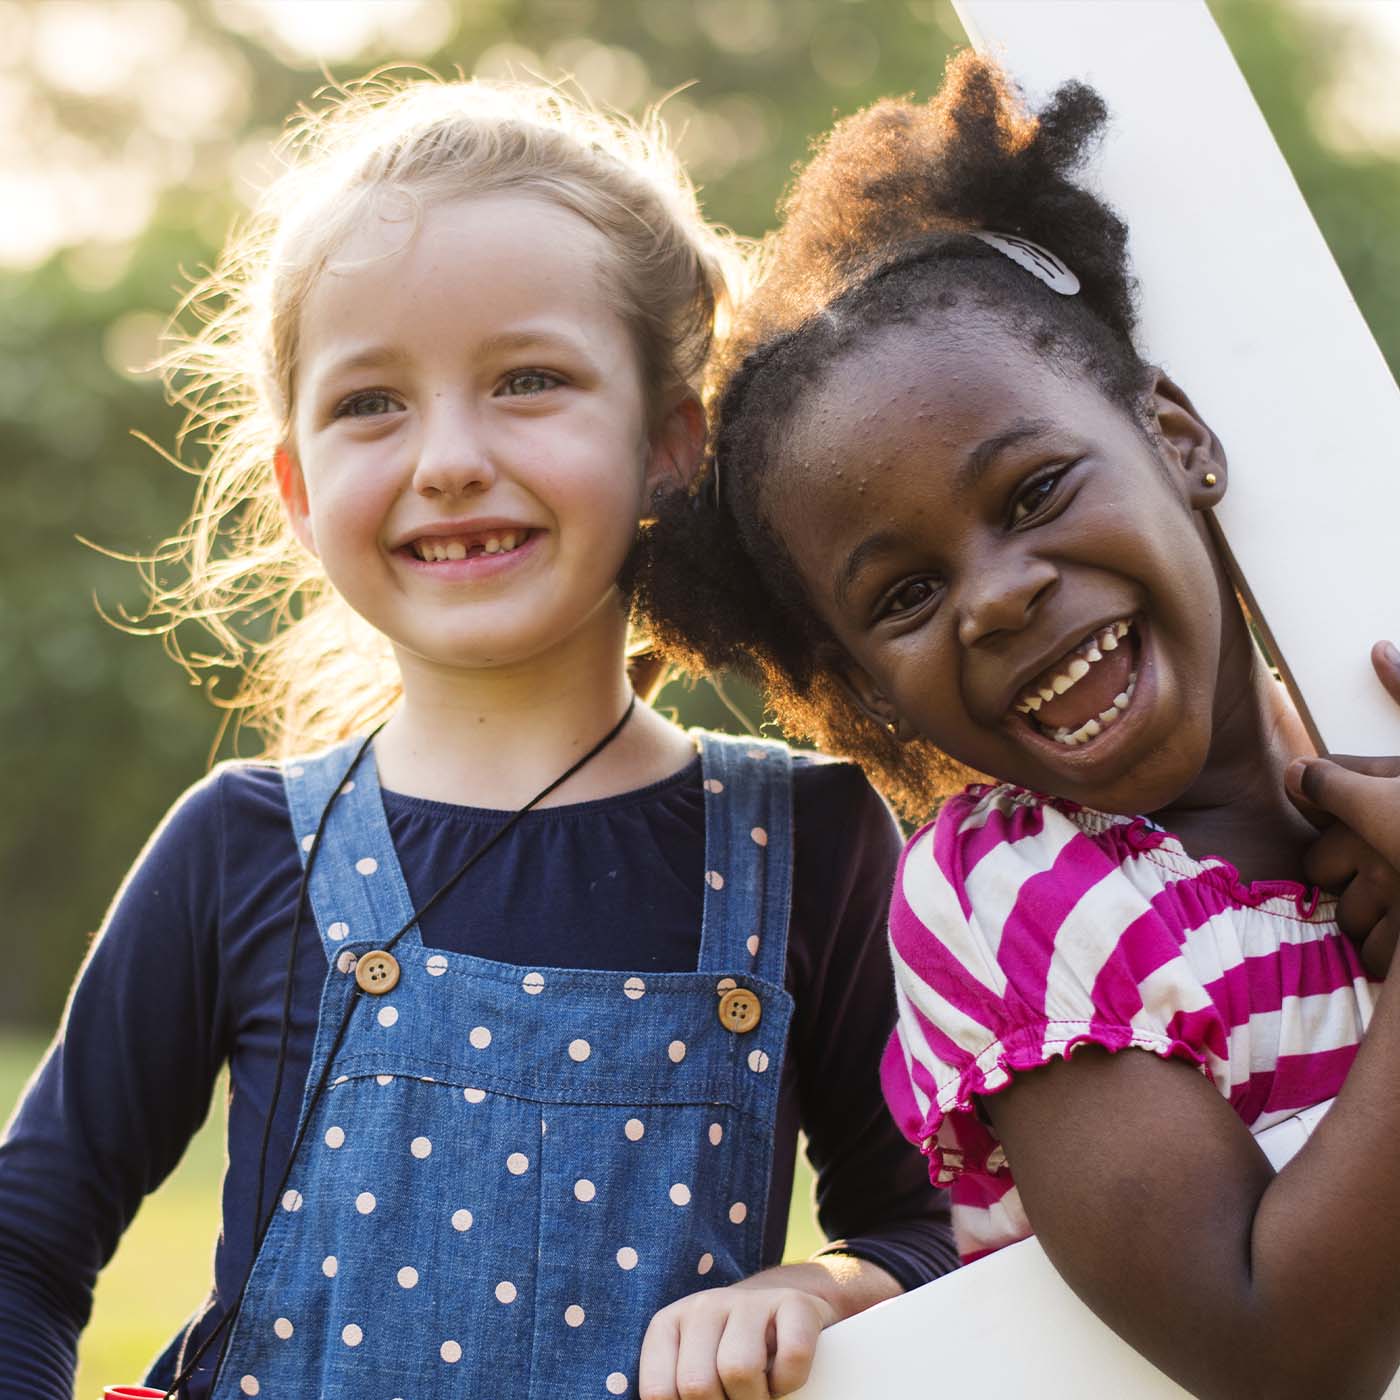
point(523, 999)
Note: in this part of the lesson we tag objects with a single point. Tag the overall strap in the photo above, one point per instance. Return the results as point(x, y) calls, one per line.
point(748, 855)
point(357, 889)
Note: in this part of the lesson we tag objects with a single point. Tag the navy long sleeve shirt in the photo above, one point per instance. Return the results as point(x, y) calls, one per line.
point(187, 977)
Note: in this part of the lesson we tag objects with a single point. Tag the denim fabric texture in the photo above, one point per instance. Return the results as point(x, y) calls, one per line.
point(514, 1167)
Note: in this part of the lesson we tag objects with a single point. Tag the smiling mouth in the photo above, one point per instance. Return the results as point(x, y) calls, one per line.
point(1087, 690)
point(438, 549)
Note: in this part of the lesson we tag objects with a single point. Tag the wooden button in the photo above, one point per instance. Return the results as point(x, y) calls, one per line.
point(377, 973)
point(740, 1010)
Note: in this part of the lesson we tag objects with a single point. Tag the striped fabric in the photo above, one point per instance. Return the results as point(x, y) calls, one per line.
point(1022, 927)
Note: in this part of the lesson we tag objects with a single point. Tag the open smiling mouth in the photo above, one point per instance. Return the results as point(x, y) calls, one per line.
point(1087, 690)
point(437, 549)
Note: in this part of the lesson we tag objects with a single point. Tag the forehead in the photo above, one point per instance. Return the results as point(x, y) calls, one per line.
point(882, 440)
point(462, 268)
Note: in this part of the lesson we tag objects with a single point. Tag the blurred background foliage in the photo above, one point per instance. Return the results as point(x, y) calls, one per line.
point(137, 130)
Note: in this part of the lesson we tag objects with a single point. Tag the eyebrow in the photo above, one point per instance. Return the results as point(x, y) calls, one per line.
point(975, 464)
point(870, 548)
point(503, 343)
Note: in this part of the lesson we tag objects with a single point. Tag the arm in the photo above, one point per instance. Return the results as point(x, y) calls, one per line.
point(755, 1339)
point(125, 1084)
point(1157, 1207)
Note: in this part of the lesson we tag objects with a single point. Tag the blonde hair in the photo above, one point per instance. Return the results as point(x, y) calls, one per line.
point(312, 671)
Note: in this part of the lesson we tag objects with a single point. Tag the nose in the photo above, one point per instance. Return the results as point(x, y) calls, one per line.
point(454, 454)
point(1001, 596)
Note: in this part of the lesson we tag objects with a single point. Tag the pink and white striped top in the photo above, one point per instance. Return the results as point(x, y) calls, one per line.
point(1023, 926)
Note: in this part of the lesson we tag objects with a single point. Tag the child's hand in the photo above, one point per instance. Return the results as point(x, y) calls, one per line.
point(1358, 853)
point(751, 1341)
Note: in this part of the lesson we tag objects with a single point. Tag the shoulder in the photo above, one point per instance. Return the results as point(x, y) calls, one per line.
point(838, 816)
point(988, 842)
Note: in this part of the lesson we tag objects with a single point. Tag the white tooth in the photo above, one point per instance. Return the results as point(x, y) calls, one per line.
point(1033, 702)
point(456, 550)
point(1094, 654)
point(1078, 669)
point(1121, 699)
point(439, 553)
point(1108, 639)
point(1023, 709)
point(1046, 693)
point(508, 540)
point(492, 545)
point(1120, 629)
point(1061, 684)
point(1108, 716)
point(1089, 729)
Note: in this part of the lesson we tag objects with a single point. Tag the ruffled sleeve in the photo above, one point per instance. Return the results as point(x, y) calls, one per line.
point(1019, 930)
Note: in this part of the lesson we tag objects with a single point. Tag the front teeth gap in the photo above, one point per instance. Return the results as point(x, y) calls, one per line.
point(436, 552)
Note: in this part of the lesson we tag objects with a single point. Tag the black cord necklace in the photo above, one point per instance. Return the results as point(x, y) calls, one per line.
point(224, 1326)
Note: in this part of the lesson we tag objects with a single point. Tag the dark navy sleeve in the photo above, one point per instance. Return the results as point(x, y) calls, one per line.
point(124, 1086)
point(873, 1195)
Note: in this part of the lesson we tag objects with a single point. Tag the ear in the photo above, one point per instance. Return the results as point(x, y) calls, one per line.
point(1192, 452)
point(677, 448)
point(291, 486)
point(860, 687)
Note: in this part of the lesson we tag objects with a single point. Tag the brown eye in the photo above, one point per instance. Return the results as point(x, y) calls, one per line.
point(1036, 495)
point(908, 597)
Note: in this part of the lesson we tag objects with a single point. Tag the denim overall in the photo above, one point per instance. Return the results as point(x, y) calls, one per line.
point(512, 1168)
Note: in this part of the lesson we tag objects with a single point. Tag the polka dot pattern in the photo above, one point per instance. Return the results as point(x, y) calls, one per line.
point(383, 1079)
point(308, 841)
point(707, 1262)
point(574, 1315)
point(713, 785)
point(479, 1038)
point(680, 1194)
point(330, 1266)
point(365, 1203)
point(436, 965)
point(506, 1291)
point(292, 1201)
point(346, 962)
point(714, 879)
point(751, 943)
point(533, 982)
point(421, 1148)
point(461, 1220)
point(451, 1352)
point(407, 1277)
point(725, 984)
point(367, 865)
point(283, 1328)
point(335, 1137)
point(579, 1051)
point(633, 1129)
point(676, 1051)
point(388, 1016)
point(634, 989)
point(627, 1258)
point(759, 836)
point(584, 1190)
point(249, 1385)
point(474, 1095)
point(517, 1164)
point(758, 1061)
point(352, 1334)
point(738, 1213)
point(616, 1383)
point(716, 1134)
point(338, 931)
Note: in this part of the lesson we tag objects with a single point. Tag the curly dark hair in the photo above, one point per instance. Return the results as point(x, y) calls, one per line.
point(877, 230)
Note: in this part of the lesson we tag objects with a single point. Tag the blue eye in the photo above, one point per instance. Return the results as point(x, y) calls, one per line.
point(526, 382)
point(371, 403)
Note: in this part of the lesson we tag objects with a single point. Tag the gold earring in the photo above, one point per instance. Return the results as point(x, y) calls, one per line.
point(1209, 478)
point(893, 726)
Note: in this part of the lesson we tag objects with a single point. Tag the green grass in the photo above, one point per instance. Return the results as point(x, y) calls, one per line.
point(162, 1269)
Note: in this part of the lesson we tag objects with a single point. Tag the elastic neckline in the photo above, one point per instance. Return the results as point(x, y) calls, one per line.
point(687, 776)
point(1147, 838)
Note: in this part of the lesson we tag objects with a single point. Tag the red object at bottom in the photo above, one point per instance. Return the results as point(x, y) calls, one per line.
point(132, 1392)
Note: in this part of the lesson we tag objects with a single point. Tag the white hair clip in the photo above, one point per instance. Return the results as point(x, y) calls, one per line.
point(1039, 262)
